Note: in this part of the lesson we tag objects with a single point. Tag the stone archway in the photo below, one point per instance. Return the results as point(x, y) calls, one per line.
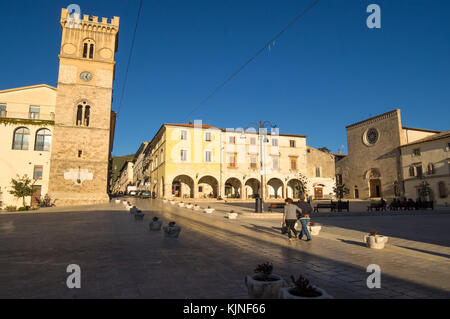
point(275, 188)
point(252, 188)
point(375, 188)
point(294, 188)
point(207, 187)
point(183, 186)
point(233, 187)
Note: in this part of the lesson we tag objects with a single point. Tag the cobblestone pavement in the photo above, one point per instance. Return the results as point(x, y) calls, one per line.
point(120, 258)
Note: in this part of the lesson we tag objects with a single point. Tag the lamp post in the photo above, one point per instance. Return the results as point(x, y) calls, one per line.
point(258, 126)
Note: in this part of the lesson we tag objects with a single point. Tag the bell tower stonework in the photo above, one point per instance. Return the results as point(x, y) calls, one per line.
point(84, 123)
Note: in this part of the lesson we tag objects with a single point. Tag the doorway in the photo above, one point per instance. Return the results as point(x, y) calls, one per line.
point(36, 197)
point(375, 188)
point(318, 192)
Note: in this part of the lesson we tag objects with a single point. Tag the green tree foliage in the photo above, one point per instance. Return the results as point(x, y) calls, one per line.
point(324, 149)
point(341, 191)
point(22, 187)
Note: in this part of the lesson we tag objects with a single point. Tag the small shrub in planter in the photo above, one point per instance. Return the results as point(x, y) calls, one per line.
point(264, 284)
point(189, 206)
point(302, 290)
point(139, 215)
point(155, 224)
point(11, 208)
point(172, 230)
point(180, 204)
point(196, 207)
point(375, 241)
point(232, 215)
point(209, 210)
point(24, 209)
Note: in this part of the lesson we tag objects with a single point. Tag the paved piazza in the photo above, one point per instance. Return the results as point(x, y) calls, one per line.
point(120, 258)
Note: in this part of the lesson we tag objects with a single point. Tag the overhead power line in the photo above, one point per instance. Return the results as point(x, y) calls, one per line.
point(130, 56)
point(268, 44)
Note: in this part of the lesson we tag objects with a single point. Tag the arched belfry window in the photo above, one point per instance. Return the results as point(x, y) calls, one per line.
point(83, 114)
point(88, 49)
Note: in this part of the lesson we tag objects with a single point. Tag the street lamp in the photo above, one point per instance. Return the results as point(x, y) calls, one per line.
point(258, 126)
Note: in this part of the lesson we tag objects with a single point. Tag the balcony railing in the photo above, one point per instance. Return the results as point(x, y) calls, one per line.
point(27, 115)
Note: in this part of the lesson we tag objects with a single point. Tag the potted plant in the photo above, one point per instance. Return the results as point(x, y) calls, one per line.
point(172, 202)
point(208, 210)
point(155, 224)
point(188, 205)
point(165, 200)
point(302, 289)
point(314, 228)
point(180, 204)
point(172, 230)
point(133, 210)
point(117, 201)
point(196, 207)
point(232, 215)
point(264, 284)
point(375, 241)
point(139, 215)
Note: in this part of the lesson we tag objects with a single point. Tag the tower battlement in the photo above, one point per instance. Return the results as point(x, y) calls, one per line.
point(88, 21)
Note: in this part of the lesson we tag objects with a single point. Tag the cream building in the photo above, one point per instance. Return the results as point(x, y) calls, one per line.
point(138, 171)
point(373, 167)
point(427, 160)
point(125, 178)
point(27, 117)
point(64, 135)
point(202, 161)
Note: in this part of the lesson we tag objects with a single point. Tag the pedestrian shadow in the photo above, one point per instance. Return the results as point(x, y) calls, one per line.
point(267, 230)
point(352, 242)
point(426, 251)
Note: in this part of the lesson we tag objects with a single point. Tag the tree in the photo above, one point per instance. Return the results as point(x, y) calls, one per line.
point(324, 149)
point(22, 187)
point(340, 191)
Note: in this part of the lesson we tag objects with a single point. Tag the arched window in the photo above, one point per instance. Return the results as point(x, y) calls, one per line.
point(87, 114)
point(83, 114)
point(21, 138)
point(79, 114)
point(43, 140)
point(88, 49)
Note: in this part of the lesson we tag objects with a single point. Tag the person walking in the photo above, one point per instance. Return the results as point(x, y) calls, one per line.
point(290, 216)
point(304, 221)
point(304, 206)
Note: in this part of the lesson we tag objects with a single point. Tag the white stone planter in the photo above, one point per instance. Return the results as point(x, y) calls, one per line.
point(232, 215)
point(124, 202)
point(180, 204)
point(314, 230)
point(133, 210)
point(117, 201)
point(155, 226)
point(172, 202)
point(189, 206)
point(258, 289)
point(208, 210)
point(172, 232)
point(285, 294)
point(165, 201)
point(375, 242)
point(196, 208)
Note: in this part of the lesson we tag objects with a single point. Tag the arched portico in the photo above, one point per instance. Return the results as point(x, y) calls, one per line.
point(275, 188)
point(233, 188)
point(294, 188)
point(183, 186)
point(208, 187)
point(251, 188)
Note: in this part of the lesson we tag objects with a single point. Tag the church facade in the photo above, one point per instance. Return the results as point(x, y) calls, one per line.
point(66, 132)
point(377, 165)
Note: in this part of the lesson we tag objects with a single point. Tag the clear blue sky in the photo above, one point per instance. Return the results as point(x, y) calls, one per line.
point(327, 71)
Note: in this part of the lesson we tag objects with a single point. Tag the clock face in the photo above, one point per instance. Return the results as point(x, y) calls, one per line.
point(86, 76)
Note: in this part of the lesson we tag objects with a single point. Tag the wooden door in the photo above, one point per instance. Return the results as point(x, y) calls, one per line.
point(36, 197)
point(318, 192)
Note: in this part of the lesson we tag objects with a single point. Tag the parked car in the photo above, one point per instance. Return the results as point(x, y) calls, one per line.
point(145, 194)
point(132, 193)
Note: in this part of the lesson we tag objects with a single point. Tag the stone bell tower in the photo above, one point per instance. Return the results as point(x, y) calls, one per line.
point(84, 123)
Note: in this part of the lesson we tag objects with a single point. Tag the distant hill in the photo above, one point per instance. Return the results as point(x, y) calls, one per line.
point(117, 163)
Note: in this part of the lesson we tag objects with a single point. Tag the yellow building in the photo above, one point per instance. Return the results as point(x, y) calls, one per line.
point(63, 136)
point(202, 161)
